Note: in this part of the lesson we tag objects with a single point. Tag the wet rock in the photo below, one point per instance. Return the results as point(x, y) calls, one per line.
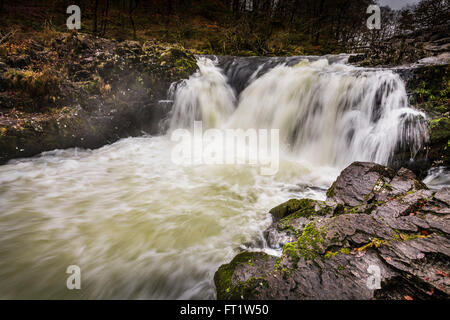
point(242, 275)
point(443, 195)
point(405, 181)
point(303, 206)
point(397, 229)
point(427, 87)
point(347, 190)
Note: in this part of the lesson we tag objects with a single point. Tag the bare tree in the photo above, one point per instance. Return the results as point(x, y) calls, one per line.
point(133, 4)
point(94, 28)
point(105, 18)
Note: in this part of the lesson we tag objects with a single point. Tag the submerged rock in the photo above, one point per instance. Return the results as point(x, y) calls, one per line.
point(380, 234)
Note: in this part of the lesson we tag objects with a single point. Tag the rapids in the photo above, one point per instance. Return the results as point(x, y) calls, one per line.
point(141, 227)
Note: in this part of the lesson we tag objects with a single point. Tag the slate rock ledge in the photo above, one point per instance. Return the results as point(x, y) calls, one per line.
point(373, 216)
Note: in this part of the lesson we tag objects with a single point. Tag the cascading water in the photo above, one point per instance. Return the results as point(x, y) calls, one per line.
point(140, 226)
point(327, 114)
point(204, 96)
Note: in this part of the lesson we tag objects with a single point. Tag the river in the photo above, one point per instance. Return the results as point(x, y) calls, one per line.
point(140, 226)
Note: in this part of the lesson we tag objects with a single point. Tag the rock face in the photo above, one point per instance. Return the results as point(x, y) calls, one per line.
point(428, 91)
point(81, 91)
point(375, 224)
point(432, 44)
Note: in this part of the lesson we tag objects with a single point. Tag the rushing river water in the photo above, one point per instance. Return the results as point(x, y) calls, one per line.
point(140, 226)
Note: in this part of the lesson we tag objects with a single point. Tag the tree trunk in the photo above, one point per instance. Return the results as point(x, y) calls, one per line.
point(132, 7)
point(105, 18)
point(319, 21)
point(94, 28)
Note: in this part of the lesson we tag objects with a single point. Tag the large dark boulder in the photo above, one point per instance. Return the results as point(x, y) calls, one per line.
point(375, 222)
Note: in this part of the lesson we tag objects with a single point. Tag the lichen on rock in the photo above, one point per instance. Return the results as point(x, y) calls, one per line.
point(374, 216)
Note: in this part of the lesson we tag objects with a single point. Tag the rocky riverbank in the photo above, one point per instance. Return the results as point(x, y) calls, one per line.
point(429, 91)
point(63, 90)
point(75, 90)
point(374, 220)
point(432, 45)
point(422, 59)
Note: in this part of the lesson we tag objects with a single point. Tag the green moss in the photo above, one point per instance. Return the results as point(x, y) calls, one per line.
point(222, 278)
point(400, 236)
point(291, 252)
point(247, 290)
point(308, 244)
point(277, 263)
point(440, 139)
point(374, 243)
point(323, 209)
point(303, 207)
point(440, 128)
point(330, 254)
point(433, 91)
point(182, 60)
point(344, 209)
point(432, 95)
point(330, 191)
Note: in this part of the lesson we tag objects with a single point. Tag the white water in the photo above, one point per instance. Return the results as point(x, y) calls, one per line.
point(205, 96)
point(327, 114)
point(140, 226)
point(438, 178)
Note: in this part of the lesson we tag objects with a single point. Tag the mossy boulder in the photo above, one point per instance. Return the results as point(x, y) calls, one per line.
point(303, 207)
point(232, 280)
point(392, 224)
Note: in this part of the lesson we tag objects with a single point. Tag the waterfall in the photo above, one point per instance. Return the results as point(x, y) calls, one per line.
point(159, 228)
point(204, 96)
point(327, 113)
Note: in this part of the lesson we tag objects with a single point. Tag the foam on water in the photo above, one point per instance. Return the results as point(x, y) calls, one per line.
point(137, 225)
point(140, 226)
